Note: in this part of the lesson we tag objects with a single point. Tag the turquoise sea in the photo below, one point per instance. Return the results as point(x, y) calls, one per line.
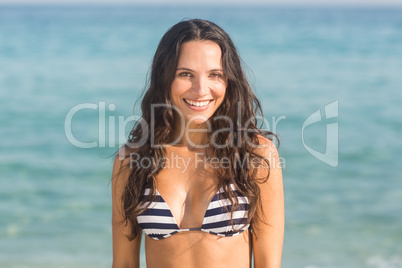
point(343, 208)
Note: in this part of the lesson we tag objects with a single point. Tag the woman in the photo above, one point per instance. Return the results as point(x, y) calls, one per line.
point(197, 175)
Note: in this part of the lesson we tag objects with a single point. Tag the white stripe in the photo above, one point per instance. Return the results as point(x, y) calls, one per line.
point(226, 228)
point(157, 219)
point(226, 202)
point(158, 205)
point(231, 186)
point(159, 231)
point(226, 216)
point(148, 191)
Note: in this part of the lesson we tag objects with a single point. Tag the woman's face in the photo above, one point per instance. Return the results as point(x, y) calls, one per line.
point(199, 86)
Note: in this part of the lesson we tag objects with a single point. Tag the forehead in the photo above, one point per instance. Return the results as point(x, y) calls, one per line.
point(200, 53)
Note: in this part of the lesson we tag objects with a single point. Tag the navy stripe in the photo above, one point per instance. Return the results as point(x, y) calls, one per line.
point(221, 210)
point(225, 223)
point(221, 196)
point(229, 233)
point(156, 236)
point(158, 225)
point(161, 236)
point(157, 212)
point(158, 198)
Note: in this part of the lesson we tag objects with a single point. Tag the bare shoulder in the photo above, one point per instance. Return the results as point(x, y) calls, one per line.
point(121, 172)
point(120, 175)
point(267, 159)
point(121, 164)
point(266, 147)
point(123, 154)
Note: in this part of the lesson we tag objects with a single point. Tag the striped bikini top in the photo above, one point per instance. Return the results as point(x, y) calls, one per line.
point(157, 220)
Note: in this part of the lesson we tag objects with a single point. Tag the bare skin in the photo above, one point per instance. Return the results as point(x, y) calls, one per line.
point(188, 185)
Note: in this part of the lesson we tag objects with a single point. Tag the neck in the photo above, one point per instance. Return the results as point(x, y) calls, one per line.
point(192, 136)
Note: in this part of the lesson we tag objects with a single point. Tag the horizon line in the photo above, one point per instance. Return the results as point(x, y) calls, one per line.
point(186, 4)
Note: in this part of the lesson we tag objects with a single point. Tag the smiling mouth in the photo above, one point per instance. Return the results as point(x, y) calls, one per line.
point(197, 103)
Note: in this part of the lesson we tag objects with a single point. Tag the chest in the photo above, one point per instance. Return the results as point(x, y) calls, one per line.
point(187, 185)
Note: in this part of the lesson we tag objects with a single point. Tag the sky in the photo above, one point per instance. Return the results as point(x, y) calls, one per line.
point(249, 2)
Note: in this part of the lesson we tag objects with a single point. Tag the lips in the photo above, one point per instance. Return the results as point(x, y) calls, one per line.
point(197, 103)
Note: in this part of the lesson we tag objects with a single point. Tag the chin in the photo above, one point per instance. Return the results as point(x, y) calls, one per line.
point(192, 121)
point(197, 122)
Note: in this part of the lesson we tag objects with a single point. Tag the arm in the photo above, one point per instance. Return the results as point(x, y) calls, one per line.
point(268, 236)
point(126, 254)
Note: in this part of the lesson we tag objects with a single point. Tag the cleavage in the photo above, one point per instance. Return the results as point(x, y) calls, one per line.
point(188, 209)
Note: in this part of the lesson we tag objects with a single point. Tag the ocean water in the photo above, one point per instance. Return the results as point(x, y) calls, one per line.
point(342, 177)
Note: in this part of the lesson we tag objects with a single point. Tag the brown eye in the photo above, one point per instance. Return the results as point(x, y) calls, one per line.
point(216, 75)
point(185, 74)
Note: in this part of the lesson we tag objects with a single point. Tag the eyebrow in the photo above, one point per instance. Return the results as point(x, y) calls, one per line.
point(188, 69)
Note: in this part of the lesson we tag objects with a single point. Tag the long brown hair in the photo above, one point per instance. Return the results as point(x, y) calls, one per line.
point(240, 142)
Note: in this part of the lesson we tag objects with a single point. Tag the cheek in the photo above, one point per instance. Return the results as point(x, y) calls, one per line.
point(220, 91)
point(178, 87)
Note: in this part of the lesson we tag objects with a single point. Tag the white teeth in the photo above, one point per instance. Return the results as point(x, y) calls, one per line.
point(197, 103)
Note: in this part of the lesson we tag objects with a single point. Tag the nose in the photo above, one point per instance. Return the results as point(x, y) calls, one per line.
point(200, 86)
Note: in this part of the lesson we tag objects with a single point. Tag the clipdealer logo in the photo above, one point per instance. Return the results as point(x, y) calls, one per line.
point(330, 156)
